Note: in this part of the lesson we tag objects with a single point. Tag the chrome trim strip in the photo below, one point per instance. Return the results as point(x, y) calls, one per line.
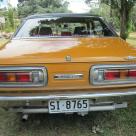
point(25, 69)
point(68, 76)
point(69, 96)
point(96, 68)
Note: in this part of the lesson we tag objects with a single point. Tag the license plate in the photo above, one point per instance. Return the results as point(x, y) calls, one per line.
point(65, 106)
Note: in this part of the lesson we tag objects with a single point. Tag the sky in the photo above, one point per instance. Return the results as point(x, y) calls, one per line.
point(14, 2)
point(76, 6)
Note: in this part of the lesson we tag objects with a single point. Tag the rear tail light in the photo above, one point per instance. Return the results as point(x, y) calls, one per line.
point(23, 76)
point(113, 74)
point(15, 77)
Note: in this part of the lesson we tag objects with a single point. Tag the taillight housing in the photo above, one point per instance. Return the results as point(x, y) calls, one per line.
point(113, 74)
point(23, 77)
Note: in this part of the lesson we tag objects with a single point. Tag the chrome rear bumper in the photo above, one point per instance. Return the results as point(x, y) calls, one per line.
point(76, 95)
point(28, 104)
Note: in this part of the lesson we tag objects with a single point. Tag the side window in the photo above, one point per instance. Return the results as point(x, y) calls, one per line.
point(98, 28)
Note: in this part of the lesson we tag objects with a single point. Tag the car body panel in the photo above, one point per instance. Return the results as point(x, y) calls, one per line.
point(51, 53)
point(55, 50)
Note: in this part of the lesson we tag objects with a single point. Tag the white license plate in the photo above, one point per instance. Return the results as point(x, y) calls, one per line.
point(65, 106)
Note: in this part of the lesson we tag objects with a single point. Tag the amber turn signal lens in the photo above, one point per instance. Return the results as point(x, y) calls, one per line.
point(10, 77)
point(123, 74)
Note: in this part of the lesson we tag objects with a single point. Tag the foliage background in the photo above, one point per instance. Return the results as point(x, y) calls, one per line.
point(30, 7)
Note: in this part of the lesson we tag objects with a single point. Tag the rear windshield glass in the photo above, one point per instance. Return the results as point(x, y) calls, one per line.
point(64, 27)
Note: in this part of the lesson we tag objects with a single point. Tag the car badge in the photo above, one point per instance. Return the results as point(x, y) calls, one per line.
point(68, 76)
point(68, 58)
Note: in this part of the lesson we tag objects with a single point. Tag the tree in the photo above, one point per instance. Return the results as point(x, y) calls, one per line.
point(123, 8)
point(11, 19)
point(108, 14)
point(29, 7)
point(133, 19)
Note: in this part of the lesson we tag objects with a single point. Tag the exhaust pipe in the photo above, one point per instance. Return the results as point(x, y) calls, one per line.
point(101, 106)
point(25, 117)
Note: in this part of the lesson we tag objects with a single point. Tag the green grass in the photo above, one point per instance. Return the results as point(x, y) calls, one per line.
point(114, 123)
point(132, 39)
point(2, 42)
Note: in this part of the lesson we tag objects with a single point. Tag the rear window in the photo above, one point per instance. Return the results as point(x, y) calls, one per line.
point(64, 27)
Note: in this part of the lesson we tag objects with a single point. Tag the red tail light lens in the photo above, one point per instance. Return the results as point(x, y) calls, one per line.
point(2, 76)
point(132, 73)
point(119, 74)
point(111, 75)
point(23, 77)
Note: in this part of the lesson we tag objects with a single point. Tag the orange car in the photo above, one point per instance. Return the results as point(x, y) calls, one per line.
point(66, 63)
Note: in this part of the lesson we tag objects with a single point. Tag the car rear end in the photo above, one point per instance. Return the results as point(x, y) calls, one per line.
point(53, 89)
point(68, 64)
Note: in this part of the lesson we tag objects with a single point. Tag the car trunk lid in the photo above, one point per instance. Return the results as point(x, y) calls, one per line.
point(56, 50)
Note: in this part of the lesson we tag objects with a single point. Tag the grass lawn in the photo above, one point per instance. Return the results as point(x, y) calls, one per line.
point(114, 123)
point(2, 42)
point(132, 39)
